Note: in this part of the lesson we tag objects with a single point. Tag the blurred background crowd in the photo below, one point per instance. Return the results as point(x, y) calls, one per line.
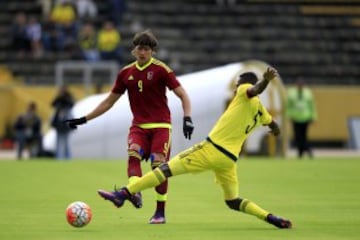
point(316, 41)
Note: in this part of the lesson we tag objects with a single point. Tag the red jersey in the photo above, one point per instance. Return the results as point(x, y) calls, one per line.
point(146, 87)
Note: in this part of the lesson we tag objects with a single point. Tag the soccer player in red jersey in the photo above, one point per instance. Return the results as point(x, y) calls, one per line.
point(146, 81)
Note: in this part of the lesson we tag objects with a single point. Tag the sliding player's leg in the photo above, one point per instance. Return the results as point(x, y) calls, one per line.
point(137, 151)
point(228, 181)
point(193, 159)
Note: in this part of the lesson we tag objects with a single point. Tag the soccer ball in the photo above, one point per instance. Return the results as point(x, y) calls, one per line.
point(78, 214)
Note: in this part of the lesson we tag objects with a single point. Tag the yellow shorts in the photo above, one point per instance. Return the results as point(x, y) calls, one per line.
point(203, 157)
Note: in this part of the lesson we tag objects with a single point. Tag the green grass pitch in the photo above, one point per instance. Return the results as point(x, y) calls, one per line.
point(321, 197)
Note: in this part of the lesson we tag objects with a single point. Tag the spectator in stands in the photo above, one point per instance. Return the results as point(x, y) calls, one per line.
point(28, 132)
point(64, 17)
point(86, 10)
point(20, 42)
point(109, 40)
point(62, 105)
point(117, 10)
point(64, 13)
point(301, 111)
point(53, 39)
point(34, 31)
point(87, 41)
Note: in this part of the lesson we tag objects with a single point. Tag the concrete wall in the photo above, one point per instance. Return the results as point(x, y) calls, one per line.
point(335, 104)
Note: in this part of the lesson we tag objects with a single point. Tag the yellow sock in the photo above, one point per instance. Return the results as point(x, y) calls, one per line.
point(133, 178)
point(252, 208)
point(149, 180)
point(161, 197)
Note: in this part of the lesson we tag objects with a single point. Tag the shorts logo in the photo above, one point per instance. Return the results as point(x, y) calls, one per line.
point(149, 75)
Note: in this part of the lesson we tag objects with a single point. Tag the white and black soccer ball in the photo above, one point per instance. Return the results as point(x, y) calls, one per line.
point(78, 214)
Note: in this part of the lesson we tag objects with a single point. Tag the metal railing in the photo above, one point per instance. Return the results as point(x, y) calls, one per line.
point(87, 69)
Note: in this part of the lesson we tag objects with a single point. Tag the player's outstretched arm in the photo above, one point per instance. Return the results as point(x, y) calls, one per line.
point(260, 86)
point(105, 105)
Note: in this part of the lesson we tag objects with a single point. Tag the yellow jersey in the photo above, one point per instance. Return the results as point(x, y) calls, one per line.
point(63, 14)
point(241, 117)
point(108, 40)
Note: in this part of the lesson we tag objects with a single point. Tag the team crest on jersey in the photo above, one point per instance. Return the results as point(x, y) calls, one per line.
point(150, 75)
point(130, 78)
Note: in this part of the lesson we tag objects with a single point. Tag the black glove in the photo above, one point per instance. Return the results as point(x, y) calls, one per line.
point(188, 127)
point(72, 123)
point(275, 129)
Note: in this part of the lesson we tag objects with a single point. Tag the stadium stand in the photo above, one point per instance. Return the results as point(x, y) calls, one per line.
point(319, 40)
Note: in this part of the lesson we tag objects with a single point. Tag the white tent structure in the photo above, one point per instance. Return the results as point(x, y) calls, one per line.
point(106, 136)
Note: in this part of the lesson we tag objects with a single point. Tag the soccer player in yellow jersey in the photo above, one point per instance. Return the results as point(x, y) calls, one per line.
point(219, 152)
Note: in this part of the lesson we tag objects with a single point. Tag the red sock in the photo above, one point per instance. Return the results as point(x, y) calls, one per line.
point(160, 207)
point(134, 167)
point(162, 188)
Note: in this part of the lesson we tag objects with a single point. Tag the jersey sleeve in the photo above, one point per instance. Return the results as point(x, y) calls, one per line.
point(167, 74)
point(119, 85)
point(265, 118)
point(242, 90)
point(171, 81)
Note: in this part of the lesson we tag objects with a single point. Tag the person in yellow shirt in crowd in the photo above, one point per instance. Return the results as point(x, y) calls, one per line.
point(87, 42)
point(108, 41)
point(63, 15)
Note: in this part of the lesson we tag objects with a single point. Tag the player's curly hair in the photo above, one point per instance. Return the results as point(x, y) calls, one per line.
point(248, 77)
point(145, 38)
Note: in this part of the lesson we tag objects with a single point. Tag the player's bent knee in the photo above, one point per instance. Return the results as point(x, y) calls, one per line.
point(234, 204)
point(136, 151)
point(156, 159)
point(135, 147)
point(165, 170)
